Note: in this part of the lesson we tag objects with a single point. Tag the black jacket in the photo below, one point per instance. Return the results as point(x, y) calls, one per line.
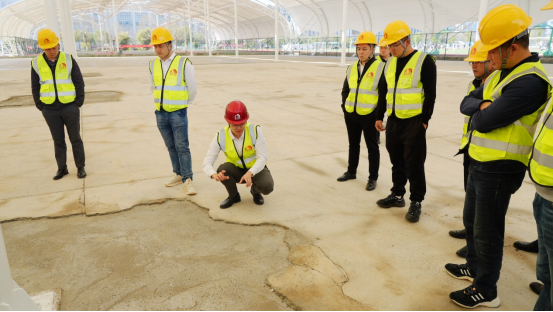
point(76, 76)
point(428, 79)
point(523, 96)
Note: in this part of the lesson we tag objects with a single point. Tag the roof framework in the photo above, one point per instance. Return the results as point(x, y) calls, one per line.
point(256, 17)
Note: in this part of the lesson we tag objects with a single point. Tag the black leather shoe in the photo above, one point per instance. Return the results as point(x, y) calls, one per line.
point(347, 176)
point(460, 234)
point(81, 174)
point(536, 287)
point(227, 203)
point(60, 173)
point(391, 201)
point(257, 198)
point(371, 185)
point(528, 247)
point(414, 212)
point(462, 252)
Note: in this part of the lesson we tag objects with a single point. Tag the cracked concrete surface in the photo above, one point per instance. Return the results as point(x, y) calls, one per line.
point(334, 248)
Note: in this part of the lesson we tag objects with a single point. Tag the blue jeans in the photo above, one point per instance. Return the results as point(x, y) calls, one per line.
point(543, 213)
point(174, 130)
point(486, 201)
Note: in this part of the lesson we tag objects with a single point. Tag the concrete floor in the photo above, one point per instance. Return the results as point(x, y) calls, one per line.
point(324, 245)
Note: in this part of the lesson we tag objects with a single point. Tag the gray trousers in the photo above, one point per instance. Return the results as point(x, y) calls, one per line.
point(262, 182)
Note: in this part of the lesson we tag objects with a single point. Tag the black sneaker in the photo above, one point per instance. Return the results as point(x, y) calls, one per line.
point(460, 271)
point(391, 201)
point(414, 212)
point(471, 298)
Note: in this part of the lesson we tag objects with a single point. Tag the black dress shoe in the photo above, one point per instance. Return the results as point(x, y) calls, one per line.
point(462, 252)
point(60, 173)
point(81, 174)
point(257, 198)
point(346, 176)
point(371, 185)
point(460, 234)
point(536, 287)
point(391, 201)
point(227, 203)
point(528, 247)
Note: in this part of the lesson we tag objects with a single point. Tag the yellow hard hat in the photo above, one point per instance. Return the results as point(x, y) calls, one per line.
point(548, 6)
point(47, 39)
point(501, 24)
point(161, 35)
point(366, 37)
point(476, 54)
point(380, 44)
point(394, 32)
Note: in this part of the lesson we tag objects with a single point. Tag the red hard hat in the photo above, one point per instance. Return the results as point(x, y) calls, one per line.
point(236, 113)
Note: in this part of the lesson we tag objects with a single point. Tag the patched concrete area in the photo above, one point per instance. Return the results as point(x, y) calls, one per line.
point(344, 253)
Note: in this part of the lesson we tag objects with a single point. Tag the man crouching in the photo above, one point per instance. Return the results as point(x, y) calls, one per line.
point(244, 145)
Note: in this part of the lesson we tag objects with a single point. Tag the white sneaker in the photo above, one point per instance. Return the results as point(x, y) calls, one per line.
point(175, 180)
point(189, 188)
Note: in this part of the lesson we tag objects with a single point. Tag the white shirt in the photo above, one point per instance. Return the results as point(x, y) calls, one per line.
point(189, 77)
point(260, 152)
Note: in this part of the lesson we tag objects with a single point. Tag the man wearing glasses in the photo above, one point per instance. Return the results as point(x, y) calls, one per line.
point(244, 145)
point(407, 94)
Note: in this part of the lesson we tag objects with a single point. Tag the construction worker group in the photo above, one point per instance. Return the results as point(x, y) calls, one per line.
point(500, 138)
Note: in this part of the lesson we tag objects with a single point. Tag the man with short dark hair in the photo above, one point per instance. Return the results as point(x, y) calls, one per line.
point(58, 91)
point(504, 115)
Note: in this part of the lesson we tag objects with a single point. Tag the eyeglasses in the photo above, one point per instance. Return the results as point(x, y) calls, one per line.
point(395, 45)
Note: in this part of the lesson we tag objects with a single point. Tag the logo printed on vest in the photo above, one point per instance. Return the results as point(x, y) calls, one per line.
point(370, 75)
point(46, 40)
point(237, 117)
point(62, 66)
point(173, 72)
point(408, 72)
point(249, 148)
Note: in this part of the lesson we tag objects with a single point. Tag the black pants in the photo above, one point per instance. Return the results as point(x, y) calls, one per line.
point(262, 182)
point(406, 144)
point(69, 117)
point(357, 124)
point(466, 165)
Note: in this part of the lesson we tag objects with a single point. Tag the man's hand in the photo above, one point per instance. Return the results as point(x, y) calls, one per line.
point(248, 178)
point(425, 126)
point(219, 176)
point(379, 126)
point(485, 105)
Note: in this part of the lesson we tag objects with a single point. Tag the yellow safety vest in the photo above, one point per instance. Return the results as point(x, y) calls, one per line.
point(170, 91)
point(464, 139)
point(248, 158)
point(515, 141)
point(407, 97)
point(60, 84)
point(541, 162)
point(363, 97)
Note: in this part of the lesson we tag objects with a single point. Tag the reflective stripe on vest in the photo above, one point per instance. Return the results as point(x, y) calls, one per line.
point(407, 97)
point(541, 163)
point(60, 84)
point(170, 91)
point(465, 138)
point(514, 141)
point(363, 97)
point(226, 144)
